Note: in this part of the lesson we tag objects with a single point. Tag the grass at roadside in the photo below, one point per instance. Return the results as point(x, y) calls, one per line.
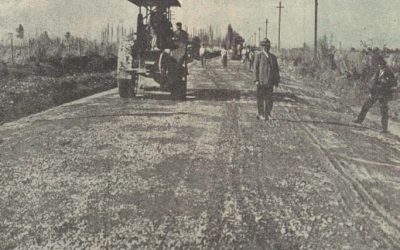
point(27, 95)
point(350, 92)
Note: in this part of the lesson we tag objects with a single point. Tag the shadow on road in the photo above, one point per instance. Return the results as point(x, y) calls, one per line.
point(147, 114)
point(221, 95)
point(194, 94)
point(288, 97)
point(214, 94)
point(325, 123)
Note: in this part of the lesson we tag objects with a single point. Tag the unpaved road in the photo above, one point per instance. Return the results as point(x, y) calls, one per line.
point(152, 173)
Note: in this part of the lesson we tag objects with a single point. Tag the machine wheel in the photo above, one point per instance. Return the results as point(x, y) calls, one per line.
point(127, 88)
point(163, 68)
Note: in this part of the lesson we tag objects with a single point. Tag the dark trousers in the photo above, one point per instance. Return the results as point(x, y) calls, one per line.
point(225, 61)
point(383, 104)
point(251, 62)
point(203, 61)
point(265, 99)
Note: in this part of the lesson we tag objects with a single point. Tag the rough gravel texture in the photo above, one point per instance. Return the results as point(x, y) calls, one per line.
point(153, 173)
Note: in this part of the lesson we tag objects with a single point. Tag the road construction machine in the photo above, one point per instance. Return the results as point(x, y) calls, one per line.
point(155, 51)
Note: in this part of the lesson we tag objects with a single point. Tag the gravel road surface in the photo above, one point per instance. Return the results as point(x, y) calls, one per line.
point(154, 173)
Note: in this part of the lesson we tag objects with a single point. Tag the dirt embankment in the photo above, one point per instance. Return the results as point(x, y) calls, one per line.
point(31, 88)
point(22, 97)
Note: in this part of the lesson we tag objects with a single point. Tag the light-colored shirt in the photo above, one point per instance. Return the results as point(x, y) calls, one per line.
point(224, 52)
point(202, 51)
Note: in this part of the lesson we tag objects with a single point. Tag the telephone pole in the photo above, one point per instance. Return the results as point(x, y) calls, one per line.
point(266, 28)
point(259, 34)
point(12, 46)
point(316, 30)
point(280, 7)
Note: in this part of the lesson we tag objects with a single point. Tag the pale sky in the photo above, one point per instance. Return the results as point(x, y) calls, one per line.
point(349, 21)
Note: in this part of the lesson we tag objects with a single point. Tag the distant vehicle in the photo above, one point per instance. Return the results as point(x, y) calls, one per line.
point(154, 52)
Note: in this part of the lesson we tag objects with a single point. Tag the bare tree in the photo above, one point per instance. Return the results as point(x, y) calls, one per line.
point(20, 32)
point(68, 38)
point(20, 35)
point(229, 37)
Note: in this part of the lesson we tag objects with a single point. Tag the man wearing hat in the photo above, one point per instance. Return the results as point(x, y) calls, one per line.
point(266, 74)
point(180, 34)
point(384, 83)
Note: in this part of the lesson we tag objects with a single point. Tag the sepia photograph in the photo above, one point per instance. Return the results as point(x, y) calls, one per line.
point(200, 124)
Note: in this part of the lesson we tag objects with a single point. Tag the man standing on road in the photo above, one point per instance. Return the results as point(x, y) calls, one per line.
point(245, 55)
point(251, 59)
point(202, 53)
point(224, 55)
point(384, 84)
point(266, 74)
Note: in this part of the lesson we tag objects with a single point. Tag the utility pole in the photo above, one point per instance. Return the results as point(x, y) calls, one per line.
point(255, 38)
point(266, 28)
point(316, 30)
point(280, 7)
point(12, 47)
point(259, 34)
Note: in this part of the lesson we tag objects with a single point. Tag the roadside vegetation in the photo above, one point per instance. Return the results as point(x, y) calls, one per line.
point(346, 74)
point(42, 72)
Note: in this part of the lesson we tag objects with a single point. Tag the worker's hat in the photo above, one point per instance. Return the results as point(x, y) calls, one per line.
point(179, 24)
point(264, 42)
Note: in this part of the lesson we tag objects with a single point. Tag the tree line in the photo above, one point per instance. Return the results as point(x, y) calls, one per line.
point(19, 49)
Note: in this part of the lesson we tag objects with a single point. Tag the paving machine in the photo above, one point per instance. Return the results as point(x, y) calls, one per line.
point(156, 51)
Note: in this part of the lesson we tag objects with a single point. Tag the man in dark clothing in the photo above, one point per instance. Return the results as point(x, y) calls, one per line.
point(384, 83)
point(180, 34)
point(266, 74)
point(162, 30)
point(179, 52)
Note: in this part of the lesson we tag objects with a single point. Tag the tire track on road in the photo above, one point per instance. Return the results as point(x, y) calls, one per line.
point(226, 226)
point(261, 203)
point(235, 226)
point(391, 226)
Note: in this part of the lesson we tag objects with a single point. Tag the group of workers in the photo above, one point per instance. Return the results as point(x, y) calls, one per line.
point(266, 78)
point(161, 31)
point(248, 56)
point(203, 55)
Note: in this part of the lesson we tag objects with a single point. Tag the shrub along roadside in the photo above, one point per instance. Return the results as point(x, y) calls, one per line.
point(350, 91)
point(29, 95)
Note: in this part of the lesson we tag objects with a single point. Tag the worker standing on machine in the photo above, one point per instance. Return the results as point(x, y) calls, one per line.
point(180, 34)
